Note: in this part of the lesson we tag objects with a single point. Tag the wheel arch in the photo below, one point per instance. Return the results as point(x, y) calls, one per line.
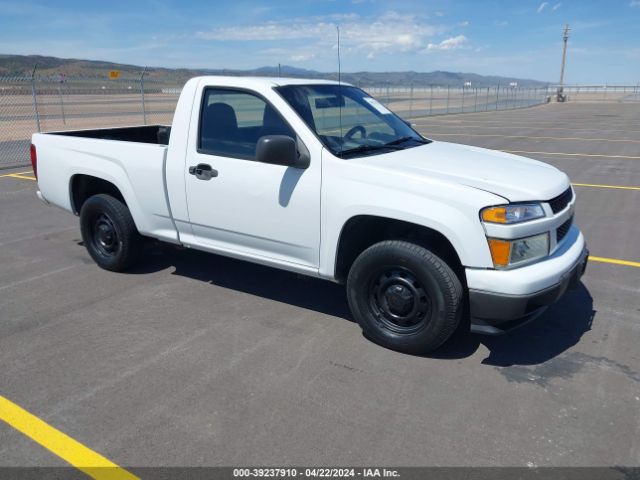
point(362, 231)
point(82, 187)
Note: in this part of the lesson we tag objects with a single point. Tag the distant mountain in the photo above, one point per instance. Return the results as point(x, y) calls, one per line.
point(22, 65)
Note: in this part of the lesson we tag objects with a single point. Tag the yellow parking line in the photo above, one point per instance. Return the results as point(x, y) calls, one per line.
point(594, 185)
point(22, 177)
point(573, 154)
point(615, 261)
point(532, 137)
point(15, 173)
point(65, 447)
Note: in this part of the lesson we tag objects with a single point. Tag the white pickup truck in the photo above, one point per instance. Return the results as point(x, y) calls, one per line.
point(317, 177)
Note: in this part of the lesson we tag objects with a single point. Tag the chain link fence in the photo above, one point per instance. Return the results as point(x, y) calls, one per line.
point(34, 104)
point(601, 93)
point(43, 104)
point(420, 101)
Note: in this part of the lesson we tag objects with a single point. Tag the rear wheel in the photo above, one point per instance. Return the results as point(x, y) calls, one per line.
point(404, 297)
point(109, 233)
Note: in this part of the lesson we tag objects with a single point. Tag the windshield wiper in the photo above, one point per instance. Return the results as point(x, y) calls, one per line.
point(370, 148)
point(404, 139)
point(392, 145)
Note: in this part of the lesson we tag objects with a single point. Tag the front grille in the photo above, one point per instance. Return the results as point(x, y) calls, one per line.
point(562, 230)
point(560, 202)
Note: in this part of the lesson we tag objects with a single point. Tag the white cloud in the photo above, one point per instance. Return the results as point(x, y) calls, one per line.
point(463, 24)
point(634, 3)
point(556, 6)
point(268, 31)
point(542, 6)
point(389, 33)
point(301, 57)
point(452, 43)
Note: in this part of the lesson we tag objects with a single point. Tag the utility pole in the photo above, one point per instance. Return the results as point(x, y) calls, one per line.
point(565, 37)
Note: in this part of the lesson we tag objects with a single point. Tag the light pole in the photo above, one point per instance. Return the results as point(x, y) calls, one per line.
point(565, 36)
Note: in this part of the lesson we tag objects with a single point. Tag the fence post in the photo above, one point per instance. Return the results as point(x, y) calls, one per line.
point(64, 120)
point(486, 102)
point(411, 103)
point(475, 108)
point(144, 110)
point(448, 87)
point(497, 95)
point(462, 98)
point(33, 94)
point(430, 99)
point(520, 100)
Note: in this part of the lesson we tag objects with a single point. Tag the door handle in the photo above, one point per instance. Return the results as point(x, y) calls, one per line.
point(202, 171)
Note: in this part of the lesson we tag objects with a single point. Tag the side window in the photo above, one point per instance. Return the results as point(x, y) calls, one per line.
point(231, 122)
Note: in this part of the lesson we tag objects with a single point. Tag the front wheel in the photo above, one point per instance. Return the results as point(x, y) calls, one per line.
point(404, 297)
point(109, 233)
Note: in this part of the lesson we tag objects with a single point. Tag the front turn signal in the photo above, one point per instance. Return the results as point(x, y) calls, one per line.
point(500, 252)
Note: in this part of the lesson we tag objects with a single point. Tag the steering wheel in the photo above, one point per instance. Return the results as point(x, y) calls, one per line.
point(353, 130)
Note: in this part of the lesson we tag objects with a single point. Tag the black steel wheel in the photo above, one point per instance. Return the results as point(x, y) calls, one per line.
point(109, 233)
point(404, 296)
point(105, 236)
point(399, 301)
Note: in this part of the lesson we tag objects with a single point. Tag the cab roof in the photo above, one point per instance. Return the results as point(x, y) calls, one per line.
point(266, 81)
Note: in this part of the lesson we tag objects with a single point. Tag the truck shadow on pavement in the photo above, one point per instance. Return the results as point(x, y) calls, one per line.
point(551, 334)
point(282, 286)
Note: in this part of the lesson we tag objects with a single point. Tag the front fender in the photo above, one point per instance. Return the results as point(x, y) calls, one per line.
point(450, 209)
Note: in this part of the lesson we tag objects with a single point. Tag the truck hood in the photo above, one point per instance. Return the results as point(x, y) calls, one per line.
point(510, 176)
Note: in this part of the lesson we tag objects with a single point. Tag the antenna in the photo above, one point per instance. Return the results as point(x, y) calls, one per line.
point(339, 94)
point(338, 30)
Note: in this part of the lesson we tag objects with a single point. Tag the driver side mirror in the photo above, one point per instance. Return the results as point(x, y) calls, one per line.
point(280, 150)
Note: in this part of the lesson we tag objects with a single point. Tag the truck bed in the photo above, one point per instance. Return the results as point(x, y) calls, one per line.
point(132, 159)
point(154, 134)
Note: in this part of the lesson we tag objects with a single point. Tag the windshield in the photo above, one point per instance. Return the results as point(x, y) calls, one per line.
point(348, 121)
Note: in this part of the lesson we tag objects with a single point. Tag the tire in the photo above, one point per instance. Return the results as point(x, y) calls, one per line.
point(109, 233)
point(404, 297)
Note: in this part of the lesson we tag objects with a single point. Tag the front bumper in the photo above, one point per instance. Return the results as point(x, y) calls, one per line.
point(520, 295)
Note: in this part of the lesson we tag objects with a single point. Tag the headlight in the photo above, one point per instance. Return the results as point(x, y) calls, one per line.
point(512, 213)
point(507, 253)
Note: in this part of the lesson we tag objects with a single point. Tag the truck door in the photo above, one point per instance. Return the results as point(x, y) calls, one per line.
point(238, 205)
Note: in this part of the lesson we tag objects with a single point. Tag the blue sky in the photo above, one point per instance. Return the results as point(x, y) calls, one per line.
point(520, 38)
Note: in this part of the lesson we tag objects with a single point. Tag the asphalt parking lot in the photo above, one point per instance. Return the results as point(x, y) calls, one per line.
point(198, 360)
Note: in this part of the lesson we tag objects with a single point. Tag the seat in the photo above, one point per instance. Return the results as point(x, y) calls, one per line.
point(272, 123)
point(219, 122)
